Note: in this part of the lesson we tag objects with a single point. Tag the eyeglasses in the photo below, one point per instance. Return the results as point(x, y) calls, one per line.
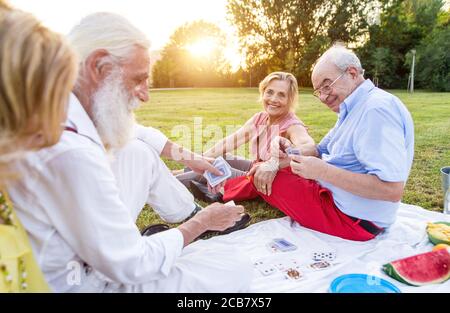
point(326, 90)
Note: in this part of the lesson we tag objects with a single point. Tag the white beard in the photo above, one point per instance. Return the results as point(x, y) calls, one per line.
point(112, 112)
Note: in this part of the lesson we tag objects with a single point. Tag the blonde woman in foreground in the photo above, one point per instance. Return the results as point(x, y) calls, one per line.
point(38, 72)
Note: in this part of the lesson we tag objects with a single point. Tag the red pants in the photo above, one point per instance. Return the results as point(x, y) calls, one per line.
point(304, 200)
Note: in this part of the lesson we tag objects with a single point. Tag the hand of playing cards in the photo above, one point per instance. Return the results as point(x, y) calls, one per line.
point(281, 147)
point(293, 151)
point(221, 165)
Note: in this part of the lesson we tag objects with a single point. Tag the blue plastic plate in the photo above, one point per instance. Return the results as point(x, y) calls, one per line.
point(362, 283)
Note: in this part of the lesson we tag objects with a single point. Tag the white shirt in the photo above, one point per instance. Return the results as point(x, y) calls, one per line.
point(68, 201)
point(151, 136)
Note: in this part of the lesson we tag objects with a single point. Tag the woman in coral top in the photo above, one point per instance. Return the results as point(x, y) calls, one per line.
point(278, 94)
point(37, 73)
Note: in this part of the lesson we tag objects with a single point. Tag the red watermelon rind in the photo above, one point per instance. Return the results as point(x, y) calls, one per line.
point(394, 268)
point(435, 240)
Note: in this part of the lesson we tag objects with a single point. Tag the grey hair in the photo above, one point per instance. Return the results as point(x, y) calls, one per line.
point(343, 58)
point(108, 31)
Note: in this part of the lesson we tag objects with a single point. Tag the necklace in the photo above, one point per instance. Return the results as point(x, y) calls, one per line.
point(8, 219)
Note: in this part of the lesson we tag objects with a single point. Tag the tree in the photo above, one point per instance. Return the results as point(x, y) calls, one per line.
point(290, 35)
point(433, 57)
point(383, 65)
point(403, 25)
point(192, 58)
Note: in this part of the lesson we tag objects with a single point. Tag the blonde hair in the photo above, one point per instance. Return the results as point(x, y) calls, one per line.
point(283, 76)
point(4, 5)
point(38, 70)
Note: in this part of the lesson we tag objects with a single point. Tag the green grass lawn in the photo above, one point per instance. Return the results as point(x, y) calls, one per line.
point(173, 111)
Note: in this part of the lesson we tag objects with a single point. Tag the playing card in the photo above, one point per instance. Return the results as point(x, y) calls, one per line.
point(222, 166)
point(280, 245)
point(320, 265)
point(293, 274)
point(293, 151)
point(324, 256)
point(264, 268)
point(286, 264)
point(284, 245)
point(272, 247)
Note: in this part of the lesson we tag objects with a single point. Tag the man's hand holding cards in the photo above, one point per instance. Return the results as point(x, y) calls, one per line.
point(221, 165)
point(292, 151)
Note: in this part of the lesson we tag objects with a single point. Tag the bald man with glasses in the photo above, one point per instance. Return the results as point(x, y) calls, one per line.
point(353, 185)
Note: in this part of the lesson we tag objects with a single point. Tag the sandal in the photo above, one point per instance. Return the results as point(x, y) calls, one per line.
point(153, 229)
point(241, 224)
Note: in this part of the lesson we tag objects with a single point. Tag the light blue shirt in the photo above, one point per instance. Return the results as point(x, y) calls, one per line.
point(374, 135)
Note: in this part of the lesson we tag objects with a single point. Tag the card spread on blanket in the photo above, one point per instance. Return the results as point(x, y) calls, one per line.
point(264, 268)
point(287, 264)
point(320, 265)
point(293, 274)
point(324, 255)
point(405, 238)
point(290, 269)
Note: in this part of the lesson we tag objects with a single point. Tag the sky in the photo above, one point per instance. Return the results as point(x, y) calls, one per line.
point(157, 18)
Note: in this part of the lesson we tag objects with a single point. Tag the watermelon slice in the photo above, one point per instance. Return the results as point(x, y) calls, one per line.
point(422, 269)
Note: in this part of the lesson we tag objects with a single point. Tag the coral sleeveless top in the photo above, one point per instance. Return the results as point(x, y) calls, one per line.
point(262, 134)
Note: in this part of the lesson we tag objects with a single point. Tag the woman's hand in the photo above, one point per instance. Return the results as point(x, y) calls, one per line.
point(278, 147)
point(264, 174)
point(216, 189)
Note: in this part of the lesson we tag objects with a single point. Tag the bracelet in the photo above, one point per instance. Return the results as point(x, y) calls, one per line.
point(271, 165)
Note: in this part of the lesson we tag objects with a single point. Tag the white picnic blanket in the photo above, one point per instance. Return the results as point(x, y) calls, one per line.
point(405, 238)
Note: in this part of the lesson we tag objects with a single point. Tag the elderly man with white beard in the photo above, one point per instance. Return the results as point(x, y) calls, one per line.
point(79, 199)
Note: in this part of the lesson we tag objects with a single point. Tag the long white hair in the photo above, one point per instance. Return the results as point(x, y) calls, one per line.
point(108, 31)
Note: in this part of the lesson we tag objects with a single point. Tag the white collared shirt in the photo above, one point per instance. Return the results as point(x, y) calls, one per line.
point(68, 201)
